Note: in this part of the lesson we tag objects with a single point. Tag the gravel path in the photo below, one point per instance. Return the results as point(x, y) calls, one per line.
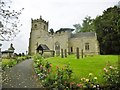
point(20, 76)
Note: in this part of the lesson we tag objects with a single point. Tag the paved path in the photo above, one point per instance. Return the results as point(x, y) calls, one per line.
point(20, 76)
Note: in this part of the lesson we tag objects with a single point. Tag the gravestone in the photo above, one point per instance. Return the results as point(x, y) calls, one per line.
point(65, 53)
point(77, 53)
point(82, 53)
point(62, 56)
point(53, 53)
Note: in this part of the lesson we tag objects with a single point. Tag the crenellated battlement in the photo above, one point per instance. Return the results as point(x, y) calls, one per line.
point(39, 20)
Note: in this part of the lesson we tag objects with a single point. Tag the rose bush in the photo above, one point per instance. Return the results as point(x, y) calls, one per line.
point(112, 77)
point(61, 78)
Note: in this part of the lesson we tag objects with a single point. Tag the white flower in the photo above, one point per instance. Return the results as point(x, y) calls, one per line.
point(94, 86)
point(111, 67)
point(90, 74)
point(95, 78)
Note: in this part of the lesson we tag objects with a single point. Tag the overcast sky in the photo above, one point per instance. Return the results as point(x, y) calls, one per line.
point(59, 13)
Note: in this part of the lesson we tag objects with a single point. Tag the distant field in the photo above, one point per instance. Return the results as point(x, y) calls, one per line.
point(82, 67)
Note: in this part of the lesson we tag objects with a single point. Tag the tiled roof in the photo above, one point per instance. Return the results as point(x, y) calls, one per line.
point(64, 29)
point(42, 47)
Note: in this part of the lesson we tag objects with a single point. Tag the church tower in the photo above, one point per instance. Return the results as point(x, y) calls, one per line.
point(39, 28)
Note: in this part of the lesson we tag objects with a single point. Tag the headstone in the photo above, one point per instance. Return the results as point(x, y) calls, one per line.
point(62, 56)
point(77, 53)
point(82, 53)
point(65, 53)
point(53, 53)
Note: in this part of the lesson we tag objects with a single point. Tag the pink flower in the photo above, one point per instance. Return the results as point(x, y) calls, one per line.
point(41, 66)
point(57, 67)
point(50, 65)
point(65, 82)
point(79, 85)
point(48, 70)
point(34, 76)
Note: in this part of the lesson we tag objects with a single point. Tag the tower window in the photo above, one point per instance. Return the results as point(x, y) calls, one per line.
point(35, 25)
point(87, 46)
point(44, 27)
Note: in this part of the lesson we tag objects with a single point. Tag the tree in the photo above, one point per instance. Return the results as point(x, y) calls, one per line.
point(9, 21)
point(108, 30)
point(87, 25)
point(77, 27)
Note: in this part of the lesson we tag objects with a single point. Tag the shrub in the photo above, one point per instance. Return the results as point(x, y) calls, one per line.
point(10, 62)
point(7, 63)
point(111, 76)
point(61, 78)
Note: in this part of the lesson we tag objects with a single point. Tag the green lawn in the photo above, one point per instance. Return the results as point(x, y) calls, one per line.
point(82, 67)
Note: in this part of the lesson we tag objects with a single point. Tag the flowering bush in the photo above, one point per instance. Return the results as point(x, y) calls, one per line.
point(111, 76)
point(61, 78)
point(42, 67)
point(90, 82)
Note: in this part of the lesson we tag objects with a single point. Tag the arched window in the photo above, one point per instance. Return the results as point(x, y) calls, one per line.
point(35, 26)
point(57, 46)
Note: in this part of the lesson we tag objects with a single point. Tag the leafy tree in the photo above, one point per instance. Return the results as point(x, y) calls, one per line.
point(87, 25)
point(108, 30)
point(9, 21)
point(77, 27)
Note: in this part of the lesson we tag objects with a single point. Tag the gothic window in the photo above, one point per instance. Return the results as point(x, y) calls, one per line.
point(87, 46)
point(71, 49)
point(57, 46)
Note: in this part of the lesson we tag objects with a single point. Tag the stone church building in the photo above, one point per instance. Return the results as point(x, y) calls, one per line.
point(41, 40)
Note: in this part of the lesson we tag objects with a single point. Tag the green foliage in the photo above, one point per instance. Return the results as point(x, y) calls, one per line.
point(87, 25)
point(108, 30)
point(83, 66)
point(107, 27)
point(7, 63)
point(61, 77)
point(111, 76)
point(10, 62)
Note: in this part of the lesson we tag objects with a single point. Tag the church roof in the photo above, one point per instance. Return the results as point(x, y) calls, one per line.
point(42, 47)
point(64, 29)
point(84, 34)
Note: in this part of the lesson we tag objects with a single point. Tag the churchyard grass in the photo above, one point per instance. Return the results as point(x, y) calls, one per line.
point(83, 66)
